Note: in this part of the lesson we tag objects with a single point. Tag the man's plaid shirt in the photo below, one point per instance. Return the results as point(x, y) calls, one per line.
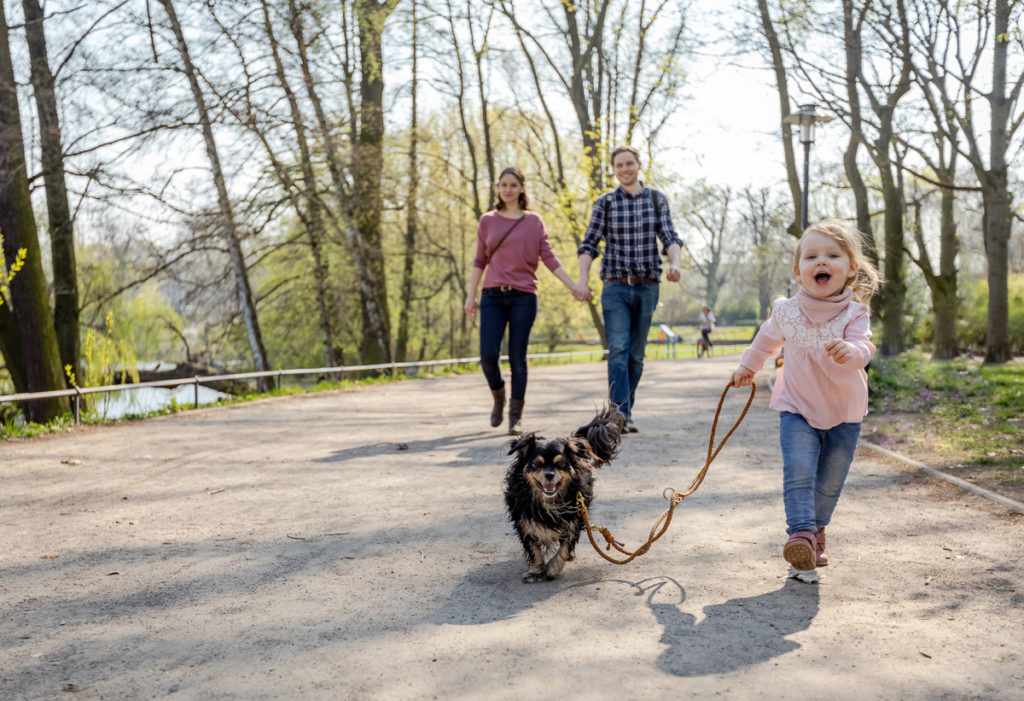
point(631, 233)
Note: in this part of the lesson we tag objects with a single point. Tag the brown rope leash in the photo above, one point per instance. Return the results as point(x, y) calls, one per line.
point(662, 524)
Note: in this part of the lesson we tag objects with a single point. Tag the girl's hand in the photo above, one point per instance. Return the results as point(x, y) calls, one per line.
point(741, 377)
point(470, 306)
point(839, 350)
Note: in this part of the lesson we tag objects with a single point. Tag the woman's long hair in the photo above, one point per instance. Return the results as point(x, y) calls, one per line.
point(524, 201)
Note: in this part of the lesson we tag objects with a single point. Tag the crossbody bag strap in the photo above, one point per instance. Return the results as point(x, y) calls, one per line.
point(514, 225)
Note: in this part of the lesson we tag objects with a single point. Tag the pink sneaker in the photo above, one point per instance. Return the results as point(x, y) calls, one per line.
point(820, 554)
point(799, 550)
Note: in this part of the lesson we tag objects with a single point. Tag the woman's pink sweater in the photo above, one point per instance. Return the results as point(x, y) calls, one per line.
point(515, 262)
point(810, 383)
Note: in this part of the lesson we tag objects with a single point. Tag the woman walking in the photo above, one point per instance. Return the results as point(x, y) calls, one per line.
point(511, 241)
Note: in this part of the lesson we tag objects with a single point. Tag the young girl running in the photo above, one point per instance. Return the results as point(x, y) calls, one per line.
point(821, 391)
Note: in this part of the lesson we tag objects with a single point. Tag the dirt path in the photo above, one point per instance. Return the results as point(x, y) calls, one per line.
point(289, 549)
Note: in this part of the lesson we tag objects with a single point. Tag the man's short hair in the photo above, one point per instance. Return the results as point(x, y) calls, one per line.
point(624, 149)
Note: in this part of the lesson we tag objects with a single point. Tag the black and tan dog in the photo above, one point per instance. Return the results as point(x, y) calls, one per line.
point(542, 485)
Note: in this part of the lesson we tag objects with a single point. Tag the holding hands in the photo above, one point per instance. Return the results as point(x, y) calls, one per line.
point(581, 290)
point(470, 305)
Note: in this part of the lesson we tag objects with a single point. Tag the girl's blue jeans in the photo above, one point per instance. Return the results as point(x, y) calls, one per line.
point(517, 310)
point(627, 312)
point(815, 463)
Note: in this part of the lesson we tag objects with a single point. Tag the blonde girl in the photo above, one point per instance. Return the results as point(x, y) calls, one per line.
point(821, 391)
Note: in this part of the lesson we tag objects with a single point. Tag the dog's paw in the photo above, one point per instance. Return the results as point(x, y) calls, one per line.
point(533, 576)
point(553, 569)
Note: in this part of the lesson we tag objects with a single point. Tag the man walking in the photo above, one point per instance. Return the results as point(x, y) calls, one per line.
point(631, 219)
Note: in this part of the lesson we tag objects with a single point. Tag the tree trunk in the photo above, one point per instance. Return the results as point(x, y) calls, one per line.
point(62, 238)
point(895, 290)
point(997, 237)
point(997, 198)
point(478, 56)
point(944, 292)
point(30, 343)
point(460, 98)
point(330, 147)
point(10, 346)
point(782, 83)
point(411, 221)
point(582, 53)
point(575, 225)
point(241, 274)
point(854, 56)
point(314, 220)
point(941, 285)
point(369, 283)
point(367, 165)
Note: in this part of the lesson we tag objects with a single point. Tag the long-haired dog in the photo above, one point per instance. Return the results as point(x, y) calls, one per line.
point(542, 485)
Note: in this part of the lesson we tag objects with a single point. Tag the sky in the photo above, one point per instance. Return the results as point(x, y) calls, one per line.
point(729, 129)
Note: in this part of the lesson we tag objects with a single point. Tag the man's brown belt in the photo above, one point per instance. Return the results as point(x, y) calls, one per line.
point(633, 279)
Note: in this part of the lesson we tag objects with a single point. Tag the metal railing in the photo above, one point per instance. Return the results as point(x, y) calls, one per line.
point(196, 380)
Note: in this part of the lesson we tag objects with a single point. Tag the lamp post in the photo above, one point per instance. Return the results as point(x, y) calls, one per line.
point(806, 117)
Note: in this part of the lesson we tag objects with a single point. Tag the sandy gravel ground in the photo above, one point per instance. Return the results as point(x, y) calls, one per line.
point(288, 549)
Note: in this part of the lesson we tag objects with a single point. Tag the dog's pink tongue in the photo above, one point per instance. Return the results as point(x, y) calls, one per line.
point(550, 486)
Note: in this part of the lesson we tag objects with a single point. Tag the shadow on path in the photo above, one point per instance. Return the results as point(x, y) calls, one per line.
point(732, 635)
point(493, 593)
point(738, 633)
point(473, 449)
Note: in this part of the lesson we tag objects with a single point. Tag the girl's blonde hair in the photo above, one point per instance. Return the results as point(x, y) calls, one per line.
point(867, 278)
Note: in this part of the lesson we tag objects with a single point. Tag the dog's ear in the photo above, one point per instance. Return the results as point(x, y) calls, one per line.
point(522, 444)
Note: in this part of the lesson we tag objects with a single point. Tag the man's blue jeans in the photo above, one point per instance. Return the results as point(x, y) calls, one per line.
point(815, 463)
point(517, 310)
point(627, 311)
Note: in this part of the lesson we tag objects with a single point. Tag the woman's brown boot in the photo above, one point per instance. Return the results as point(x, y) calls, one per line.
point(515, 413)
point(499, 406)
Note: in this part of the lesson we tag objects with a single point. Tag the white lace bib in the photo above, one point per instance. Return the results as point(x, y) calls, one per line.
point(798, 329)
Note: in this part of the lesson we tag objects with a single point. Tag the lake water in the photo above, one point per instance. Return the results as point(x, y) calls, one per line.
point(146, 399)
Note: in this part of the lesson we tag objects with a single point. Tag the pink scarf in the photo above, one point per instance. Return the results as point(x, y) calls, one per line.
point(818, 310)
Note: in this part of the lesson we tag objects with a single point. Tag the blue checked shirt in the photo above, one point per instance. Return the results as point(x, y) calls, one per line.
point(630, 232)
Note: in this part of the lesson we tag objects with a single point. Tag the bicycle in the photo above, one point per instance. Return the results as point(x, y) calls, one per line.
point(703, 347)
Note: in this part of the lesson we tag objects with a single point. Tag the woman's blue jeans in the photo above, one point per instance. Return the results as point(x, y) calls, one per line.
point(815, 463)
point(627, 311)
point(498, 309)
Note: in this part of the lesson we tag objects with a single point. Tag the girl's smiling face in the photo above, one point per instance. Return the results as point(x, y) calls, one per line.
point(824, 267)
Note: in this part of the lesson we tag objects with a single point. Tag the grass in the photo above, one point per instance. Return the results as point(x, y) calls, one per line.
point(961, 416)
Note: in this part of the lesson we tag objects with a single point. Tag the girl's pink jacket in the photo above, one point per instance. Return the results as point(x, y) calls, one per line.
point(810, 383)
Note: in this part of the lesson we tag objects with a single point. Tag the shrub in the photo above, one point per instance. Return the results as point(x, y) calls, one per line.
point(974, 319)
